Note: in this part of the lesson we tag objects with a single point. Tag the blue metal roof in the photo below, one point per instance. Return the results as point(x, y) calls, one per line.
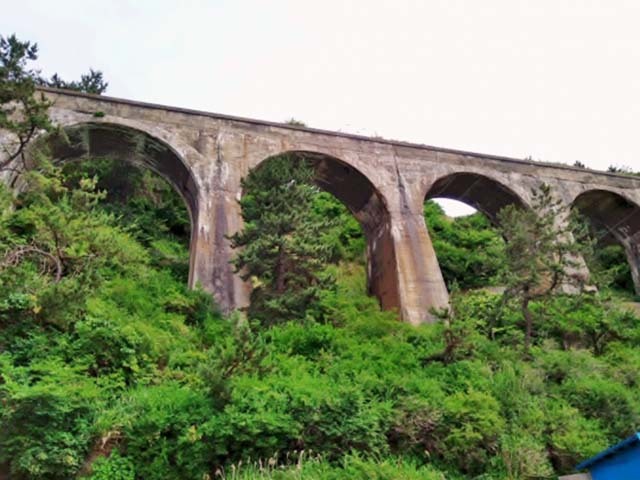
point(627, 443)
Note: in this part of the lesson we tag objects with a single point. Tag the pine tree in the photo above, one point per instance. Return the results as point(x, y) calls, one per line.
point(279, 247)
point(541, 252)
point(92, 82)
point(22, 113)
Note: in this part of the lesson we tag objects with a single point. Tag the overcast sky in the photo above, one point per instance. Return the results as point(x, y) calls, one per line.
point(557, 80)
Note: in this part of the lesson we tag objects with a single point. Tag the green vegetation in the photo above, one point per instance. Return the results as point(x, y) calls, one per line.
point(113, 367)
point(23, 113)
point(609, 263)
point(470, 250)
point(110, 368)
point(541, 253)
point(278, 247)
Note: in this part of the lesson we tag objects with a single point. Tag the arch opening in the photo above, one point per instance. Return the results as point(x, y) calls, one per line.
point(119, 155)
point(105, 140)
point(357, 194)
point(478, 191)
point(469, 247)
point(615, 224)
point(455, 208)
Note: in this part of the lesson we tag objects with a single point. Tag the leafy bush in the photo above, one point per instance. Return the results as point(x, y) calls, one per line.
point(46, 419)
point(162, 428)
point(113, 467)
point(470, 430)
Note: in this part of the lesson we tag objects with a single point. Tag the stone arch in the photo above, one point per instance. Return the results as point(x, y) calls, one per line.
point(483, 193)
point(133, 145)
point(618, 218)
point(488, 196)
point(368, 205)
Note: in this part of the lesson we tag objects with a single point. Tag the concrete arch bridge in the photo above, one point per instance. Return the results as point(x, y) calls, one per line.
point(384, 184)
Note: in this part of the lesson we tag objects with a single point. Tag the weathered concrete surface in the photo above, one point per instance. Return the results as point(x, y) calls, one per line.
point(384, 183)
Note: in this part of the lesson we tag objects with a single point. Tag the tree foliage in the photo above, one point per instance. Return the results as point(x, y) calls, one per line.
point(279, 248)
point(542, 255)
point(23, 113)
point(92, 82)
point(23, 110)
point(470, 250)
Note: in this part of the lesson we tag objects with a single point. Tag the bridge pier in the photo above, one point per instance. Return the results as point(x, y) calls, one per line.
point(420, 283)
point(211, 254)
point(576, 273)
point(632, 250)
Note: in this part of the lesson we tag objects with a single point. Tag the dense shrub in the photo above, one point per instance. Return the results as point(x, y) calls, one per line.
point(163, 431)
point(113, 467)
point(46, 419)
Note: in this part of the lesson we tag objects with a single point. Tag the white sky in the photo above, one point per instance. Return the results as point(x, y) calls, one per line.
point(557, 80)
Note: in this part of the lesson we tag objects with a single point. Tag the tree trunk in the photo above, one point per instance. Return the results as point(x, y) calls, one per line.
point(280, 271)
point(528, 318)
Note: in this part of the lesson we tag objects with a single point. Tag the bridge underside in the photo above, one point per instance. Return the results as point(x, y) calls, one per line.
point(479, 191)
point(615, 220)
point(98, 140)
point(118, 142)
